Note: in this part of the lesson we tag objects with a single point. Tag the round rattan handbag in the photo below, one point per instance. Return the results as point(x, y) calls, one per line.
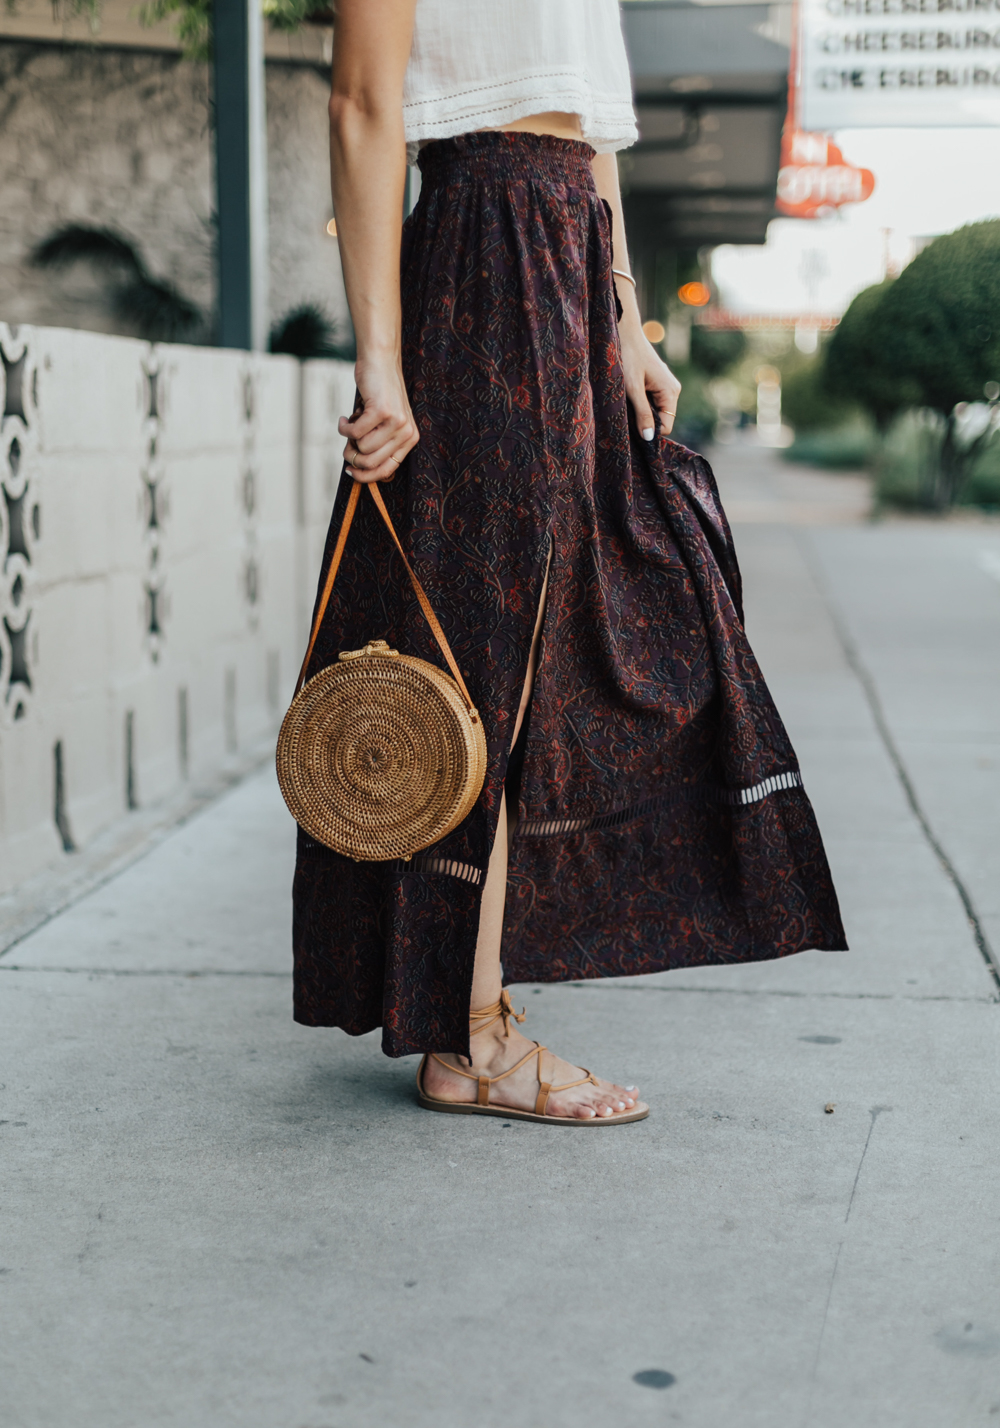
point(380, 754)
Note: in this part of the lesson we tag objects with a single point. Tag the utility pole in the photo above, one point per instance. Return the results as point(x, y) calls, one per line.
point(240, 173)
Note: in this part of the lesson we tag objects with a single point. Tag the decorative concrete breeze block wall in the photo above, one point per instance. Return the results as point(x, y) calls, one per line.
point(162, 517)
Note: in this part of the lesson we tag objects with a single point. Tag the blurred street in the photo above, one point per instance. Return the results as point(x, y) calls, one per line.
point(217, 1217)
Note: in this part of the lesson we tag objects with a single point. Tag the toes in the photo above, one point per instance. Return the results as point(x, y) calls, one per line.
point(614, 1107)
point(621, 1098)
point(598, 1109)
point(607, 1100)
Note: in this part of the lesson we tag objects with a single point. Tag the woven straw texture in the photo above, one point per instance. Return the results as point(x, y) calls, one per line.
point(379, 757)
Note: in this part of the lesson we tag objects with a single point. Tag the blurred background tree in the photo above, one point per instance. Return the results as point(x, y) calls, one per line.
point(157, 311)
point(715, 351)
point(929, 341)
point(309, 331)
point(855, 367)
point(831, 430)
point(145, 305)
point(806, 401)
point(193, 18)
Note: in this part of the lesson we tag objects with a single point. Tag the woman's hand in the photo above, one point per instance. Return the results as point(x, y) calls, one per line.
point(649, 383)
point(368, 176)
point(382, 430)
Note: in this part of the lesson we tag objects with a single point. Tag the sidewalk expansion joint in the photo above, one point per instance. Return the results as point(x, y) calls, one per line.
point(596, 985)
point(864, 677)
point(874, 1113)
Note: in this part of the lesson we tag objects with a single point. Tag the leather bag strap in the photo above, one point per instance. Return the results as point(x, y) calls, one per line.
point(418, 589)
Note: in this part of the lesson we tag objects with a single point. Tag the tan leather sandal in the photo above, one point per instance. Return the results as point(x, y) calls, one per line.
point(504, 1011)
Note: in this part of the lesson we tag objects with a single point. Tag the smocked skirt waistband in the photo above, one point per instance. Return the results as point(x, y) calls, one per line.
point(484, 157)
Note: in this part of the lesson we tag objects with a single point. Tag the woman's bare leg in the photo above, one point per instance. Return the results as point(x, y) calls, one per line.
point(487, 978)
point(493, 1050)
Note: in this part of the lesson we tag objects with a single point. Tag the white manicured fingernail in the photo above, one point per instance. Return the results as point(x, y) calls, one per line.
point(621, 1105)
point(647, 434)
point(631, 1088)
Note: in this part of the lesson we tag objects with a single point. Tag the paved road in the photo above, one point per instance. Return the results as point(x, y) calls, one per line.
point(215, 1217)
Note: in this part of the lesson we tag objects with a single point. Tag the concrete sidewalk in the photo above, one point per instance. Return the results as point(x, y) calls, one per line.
point(215, 1217)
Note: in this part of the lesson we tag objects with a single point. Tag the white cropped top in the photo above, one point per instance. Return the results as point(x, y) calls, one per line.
point(480, 64)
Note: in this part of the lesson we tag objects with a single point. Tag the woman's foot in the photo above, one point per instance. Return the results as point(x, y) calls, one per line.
point(493, 1052)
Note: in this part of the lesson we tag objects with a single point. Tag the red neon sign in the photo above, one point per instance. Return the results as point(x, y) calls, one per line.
point(814, 176)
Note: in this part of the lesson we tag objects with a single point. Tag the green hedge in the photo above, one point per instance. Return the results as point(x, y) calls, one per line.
point(849, 447)
point(907, 459)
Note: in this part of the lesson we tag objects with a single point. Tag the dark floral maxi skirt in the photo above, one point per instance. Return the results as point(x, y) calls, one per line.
point(661, 819)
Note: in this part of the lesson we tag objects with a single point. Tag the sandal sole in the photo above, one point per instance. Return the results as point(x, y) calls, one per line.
point(467, 1108)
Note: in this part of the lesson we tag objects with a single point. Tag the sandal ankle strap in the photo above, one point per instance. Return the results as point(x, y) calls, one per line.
point(503, 1010)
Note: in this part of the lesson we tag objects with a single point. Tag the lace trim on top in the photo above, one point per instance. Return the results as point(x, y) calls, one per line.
point(606, 120)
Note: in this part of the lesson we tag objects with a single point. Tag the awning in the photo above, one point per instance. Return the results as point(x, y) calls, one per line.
point(710, 86)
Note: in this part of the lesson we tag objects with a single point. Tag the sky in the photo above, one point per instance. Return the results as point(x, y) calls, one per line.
point(927, 181)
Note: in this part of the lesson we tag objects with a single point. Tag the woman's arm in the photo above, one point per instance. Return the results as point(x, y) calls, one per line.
point(368, 172)
point(649, 382)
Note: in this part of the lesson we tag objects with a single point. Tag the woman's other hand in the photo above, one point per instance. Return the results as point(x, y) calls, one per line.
point(650, 385)
point(382, 431)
